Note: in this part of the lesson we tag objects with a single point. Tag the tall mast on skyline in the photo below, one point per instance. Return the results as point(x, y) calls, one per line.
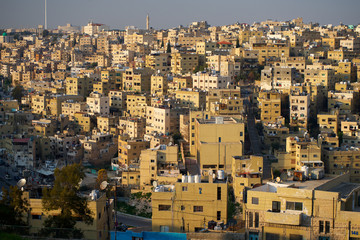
point(147, 22)
point(45, 26)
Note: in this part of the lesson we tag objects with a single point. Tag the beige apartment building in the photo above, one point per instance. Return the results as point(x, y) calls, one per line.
point(196, 203)
point(98, 104)
point(136, 105)
point(129, 149)
point(162, 120)
point(182, 63)
point(99, 148)
point(159, 164)
point(159, 84)
point(70, 107)
point(270, 105)
point(316, 209)
point(346, 102)
point(159, 62)
point(101, 210)
point(79, 86)
point(106, 123)
point(84, 122)
point(193, 99)
point(329, 121)
point(299, 110)
point(216, 140)
point(203, 47)
point(226, 65)
point(325, 78)
point(300, 152)
point(342, 160)
point(117, 101)
point(246, 173)
point(207, 81)
point(271, 51)
point(134, 127)
point(137, 80)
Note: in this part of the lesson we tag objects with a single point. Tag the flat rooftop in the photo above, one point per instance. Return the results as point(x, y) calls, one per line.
point(345, 189)
point(220, 120)
point(306, 185)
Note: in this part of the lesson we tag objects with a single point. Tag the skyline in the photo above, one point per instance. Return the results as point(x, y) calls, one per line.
point(30, 14)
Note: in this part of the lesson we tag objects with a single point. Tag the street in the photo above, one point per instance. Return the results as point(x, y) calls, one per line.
point(139, 223)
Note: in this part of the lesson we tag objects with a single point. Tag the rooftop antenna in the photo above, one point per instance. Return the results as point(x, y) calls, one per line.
point(45, 15)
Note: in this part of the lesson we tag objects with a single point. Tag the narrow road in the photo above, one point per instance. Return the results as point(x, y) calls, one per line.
point(256, 144)
point(139, 223)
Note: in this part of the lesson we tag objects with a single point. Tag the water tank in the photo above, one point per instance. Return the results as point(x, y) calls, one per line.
point(197, 178)
point(221, 174)
point(305, 169)
point(161, 188)
point(157, 189)
point(190, 179)
point(219, 120)
point(183, 179)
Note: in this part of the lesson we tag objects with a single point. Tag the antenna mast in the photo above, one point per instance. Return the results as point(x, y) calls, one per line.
point(45, 16)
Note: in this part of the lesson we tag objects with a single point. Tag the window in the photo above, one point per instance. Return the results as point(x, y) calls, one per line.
point(272, 236)
point(327, 227)
point(295, 237)
point(321, 226)
point(297, 206)
point(36, 217)
point(184, 188)
point(219, 193)
point(255, 200)
point(218, 215)
point(256, 219)
point(200, 190)
point(164, 207)
point(251, 219)
point(276, 206)
point(182, 207)
point(198, 209)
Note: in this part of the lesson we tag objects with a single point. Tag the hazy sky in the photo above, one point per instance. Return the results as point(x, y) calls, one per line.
point(172, 13)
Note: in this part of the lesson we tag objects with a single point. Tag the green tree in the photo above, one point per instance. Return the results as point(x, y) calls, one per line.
point(13, 206)
point(17, 93)
point(168, 49)
point(64, 197)
point(237, 43)
point(177, 137)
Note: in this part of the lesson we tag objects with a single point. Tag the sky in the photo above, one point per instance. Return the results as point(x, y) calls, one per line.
point(172, 13)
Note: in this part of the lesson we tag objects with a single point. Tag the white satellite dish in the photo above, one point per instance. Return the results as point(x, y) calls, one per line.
point(278, 179)
point(155, 183)
point(21, 182)
point(103, 185)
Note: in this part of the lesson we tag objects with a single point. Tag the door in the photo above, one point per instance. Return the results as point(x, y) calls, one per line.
point(253, 236)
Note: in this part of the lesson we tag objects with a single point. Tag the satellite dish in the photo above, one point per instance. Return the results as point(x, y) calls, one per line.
point(278, 179)
point(155, 184)
point(21, 182)
point(103, 185)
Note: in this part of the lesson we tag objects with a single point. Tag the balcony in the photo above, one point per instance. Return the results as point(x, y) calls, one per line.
point(285, 218)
